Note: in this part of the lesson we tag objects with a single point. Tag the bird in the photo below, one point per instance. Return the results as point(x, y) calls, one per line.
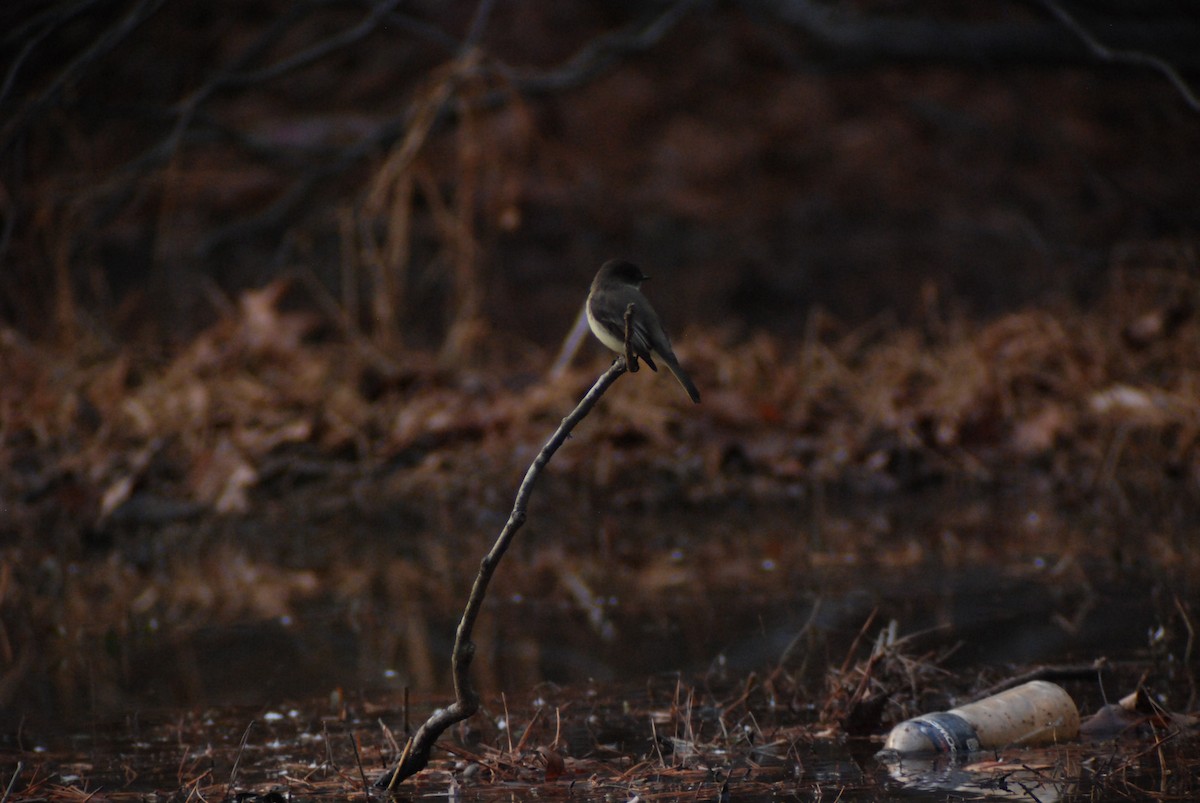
point(616, 286)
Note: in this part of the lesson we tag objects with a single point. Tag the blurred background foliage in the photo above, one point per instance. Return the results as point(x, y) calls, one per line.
point(425, 173)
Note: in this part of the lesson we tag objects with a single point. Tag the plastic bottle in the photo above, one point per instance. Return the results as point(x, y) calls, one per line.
point(1030, 714)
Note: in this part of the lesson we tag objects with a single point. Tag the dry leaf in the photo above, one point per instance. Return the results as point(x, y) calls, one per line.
point(221, 477)
point(555, 766)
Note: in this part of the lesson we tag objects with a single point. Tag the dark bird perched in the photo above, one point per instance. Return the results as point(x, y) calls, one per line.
point(615, 287)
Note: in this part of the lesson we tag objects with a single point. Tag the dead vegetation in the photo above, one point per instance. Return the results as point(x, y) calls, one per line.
point(196, 491)
point(1095, 401)
point(669, 739)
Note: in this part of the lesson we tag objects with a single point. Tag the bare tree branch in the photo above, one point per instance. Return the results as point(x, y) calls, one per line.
point(854, 37)
point(416, 753)
point(603, 52)
point(311, 54)
point(101, 45)
point(478, 24)
point(590, 62)
point(1133, 57)
point(186, 109)
point(570, 344)
point(30, 34)
point(851, 36)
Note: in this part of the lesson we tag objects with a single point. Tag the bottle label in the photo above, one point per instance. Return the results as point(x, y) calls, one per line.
point(948, 733)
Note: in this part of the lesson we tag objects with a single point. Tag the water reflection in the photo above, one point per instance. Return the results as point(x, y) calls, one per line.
point(1007, 582)
point(1034, 776)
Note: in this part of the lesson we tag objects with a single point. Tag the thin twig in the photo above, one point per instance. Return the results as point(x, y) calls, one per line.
point(850, 653)
point(1187, 651)
point(525, 734)
point(329, 760)
point(602, 53)
point(657, 745)
point(507, 724)
point(238, 760)
point(361, 772)
point(102, 44)
point(1135, 57)
point(478, 24)
point(187, 109)
point(570, 344)
point(466, 700)
point(856, 38)
point(12, 781)
point(801, 633)
point(337, 41)
point(407, 724)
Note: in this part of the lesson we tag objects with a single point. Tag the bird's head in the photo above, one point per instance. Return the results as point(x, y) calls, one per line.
point(620, 270)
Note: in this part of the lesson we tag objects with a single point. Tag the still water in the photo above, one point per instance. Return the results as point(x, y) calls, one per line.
point(606, 625)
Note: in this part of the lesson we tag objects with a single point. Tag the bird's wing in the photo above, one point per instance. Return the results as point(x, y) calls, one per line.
point(641, 339)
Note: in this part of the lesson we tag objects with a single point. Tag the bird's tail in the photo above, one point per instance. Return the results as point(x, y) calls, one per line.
point(684, 379)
